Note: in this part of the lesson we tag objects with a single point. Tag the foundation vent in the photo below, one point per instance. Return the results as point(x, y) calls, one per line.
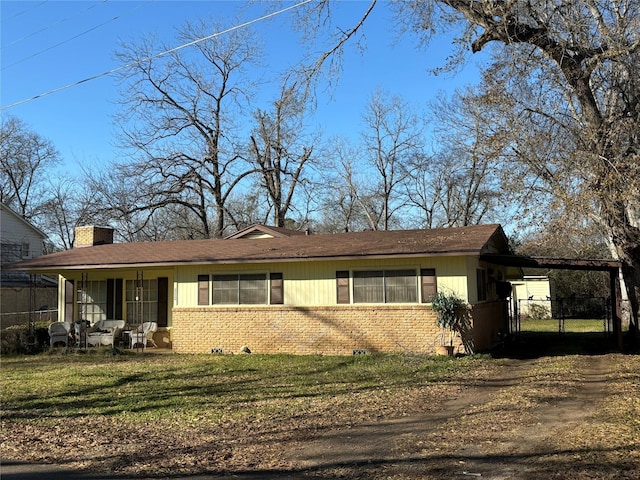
point(359, 351)
point(217, 351)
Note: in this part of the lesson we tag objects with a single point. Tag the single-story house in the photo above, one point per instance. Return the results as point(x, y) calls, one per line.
point(276, 290)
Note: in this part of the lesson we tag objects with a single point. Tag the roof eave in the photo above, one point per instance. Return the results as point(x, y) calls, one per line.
point(234, 261)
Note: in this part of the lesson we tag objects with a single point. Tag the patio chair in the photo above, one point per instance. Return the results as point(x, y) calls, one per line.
point(59, 333)
point(105, 333)
point(80, 333)
point(143, 334)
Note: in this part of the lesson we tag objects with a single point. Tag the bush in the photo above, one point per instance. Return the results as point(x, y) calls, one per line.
point(450, 310)
point(538, 312)
point(17, 340)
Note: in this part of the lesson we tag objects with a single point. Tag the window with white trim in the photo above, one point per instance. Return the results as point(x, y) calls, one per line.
point(92, 300)
point(142, 301)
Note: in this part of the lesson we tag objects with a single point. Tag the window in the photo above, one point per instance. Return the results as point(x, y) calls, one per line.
point(142, 301)
point(69, 298)
point(253, 289)
point(203, 289)
point(481, 280)
point(385, 286)
point(277, 289)
point(400, 286)
point(342, 287)
point(92, 300)
point(368, 287)
point(225, 289)
point(114, 299)
point(429, 284)
point(245, 289)
point(25, 250)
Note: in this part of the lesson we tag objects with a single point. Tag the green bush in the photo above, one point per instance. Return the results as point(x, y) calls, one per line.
point(451, 311)
point(538, 312)
point(17, 340)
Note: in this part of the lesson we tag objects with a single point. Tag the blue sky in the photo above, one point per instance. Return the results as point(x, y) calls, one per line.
point(50, 44)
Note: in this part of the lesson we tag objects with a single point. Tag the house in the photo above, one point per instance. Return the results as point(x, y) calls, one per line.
point(533, 292)
point(275, 290)
point(21, 293)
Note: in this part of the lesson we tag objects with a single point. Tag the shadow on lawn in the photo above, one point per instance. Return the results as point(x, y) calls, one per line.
point(551, 344)
point(528, 466)
point(524, 466)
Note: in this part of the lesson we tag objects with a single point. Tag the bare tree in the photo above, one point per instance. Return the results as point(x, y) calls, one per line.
point(26, 161)
point(280, 151)
point(247, 208)
point(392, 138)
point(562, 70)
point(70, 203)
point(343, 208)
point(460, 184)
point(179, 123)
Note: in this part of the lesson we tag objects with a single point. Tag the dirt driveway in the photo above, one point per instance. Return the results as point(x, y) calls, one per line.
point(532, 419)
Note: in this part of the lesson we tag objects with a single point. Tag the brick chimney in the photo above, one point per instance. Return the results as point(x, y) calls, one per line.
point(89, 236)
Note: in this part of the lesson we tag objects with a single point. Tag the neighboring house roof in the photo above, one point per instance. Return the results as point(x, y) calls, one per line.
point(264, 231)
point(6, 210)
point(474, 240)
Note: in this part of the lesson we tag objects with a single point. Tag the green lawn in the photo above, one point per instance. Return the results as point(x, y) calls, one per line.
point(570, 326)
point(143, 388)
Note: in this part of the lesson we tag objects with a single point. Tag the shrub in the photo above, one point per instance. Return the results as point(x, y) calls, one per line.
point(18, 339)
point(538, 312)
point(451, 311)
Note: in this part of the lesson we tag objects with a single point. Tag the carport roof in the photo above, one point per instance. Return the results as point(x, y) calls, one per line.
point(523, 261)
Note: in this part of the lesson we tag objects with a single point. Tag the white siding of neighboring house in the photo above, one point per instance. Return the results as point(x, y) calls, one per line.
point(532, 290)
point(19, 239)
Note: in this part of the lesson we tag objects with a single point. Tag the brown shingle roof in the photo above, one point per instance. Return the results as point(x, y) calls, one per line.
point(475, 240)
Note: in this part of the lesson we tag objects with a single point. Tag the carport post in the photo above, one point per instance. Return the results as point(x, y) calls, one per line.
point(616, 305)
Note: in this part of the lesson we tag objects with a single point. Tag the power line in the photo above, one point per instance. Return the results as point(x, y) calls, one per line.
point(95, 27)
point(29, 9)
point(157, 55)
point(47, 27)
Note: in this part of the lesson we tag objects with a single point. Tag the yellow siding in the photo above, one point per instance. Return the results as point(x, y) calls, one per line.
point(314, 283)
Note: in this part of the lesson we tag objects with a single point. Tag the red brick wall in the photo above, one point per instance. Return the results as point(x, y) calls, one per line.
point(335, 330)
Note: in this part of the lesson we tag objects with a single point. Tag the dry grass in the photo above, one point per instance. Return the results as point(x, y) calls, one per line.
point(187, 415)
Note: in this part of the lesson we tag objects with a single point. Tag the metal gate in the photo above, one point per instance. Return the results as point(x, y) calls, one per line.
point(569, 314)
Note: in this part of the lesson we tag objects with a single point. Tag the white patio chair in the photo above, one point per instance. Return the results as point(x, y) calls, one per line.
point(143, 334)
point(59, 333)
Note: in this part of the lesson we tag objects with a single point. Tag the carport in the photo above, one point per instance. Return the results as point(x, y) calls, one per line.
point(611, 266)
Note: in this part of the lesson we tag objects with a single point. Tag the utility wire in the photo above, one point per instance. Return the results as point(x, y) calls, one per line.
point(29, 9)
point(64, 41)
point(157, 55)
point(47, 27)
